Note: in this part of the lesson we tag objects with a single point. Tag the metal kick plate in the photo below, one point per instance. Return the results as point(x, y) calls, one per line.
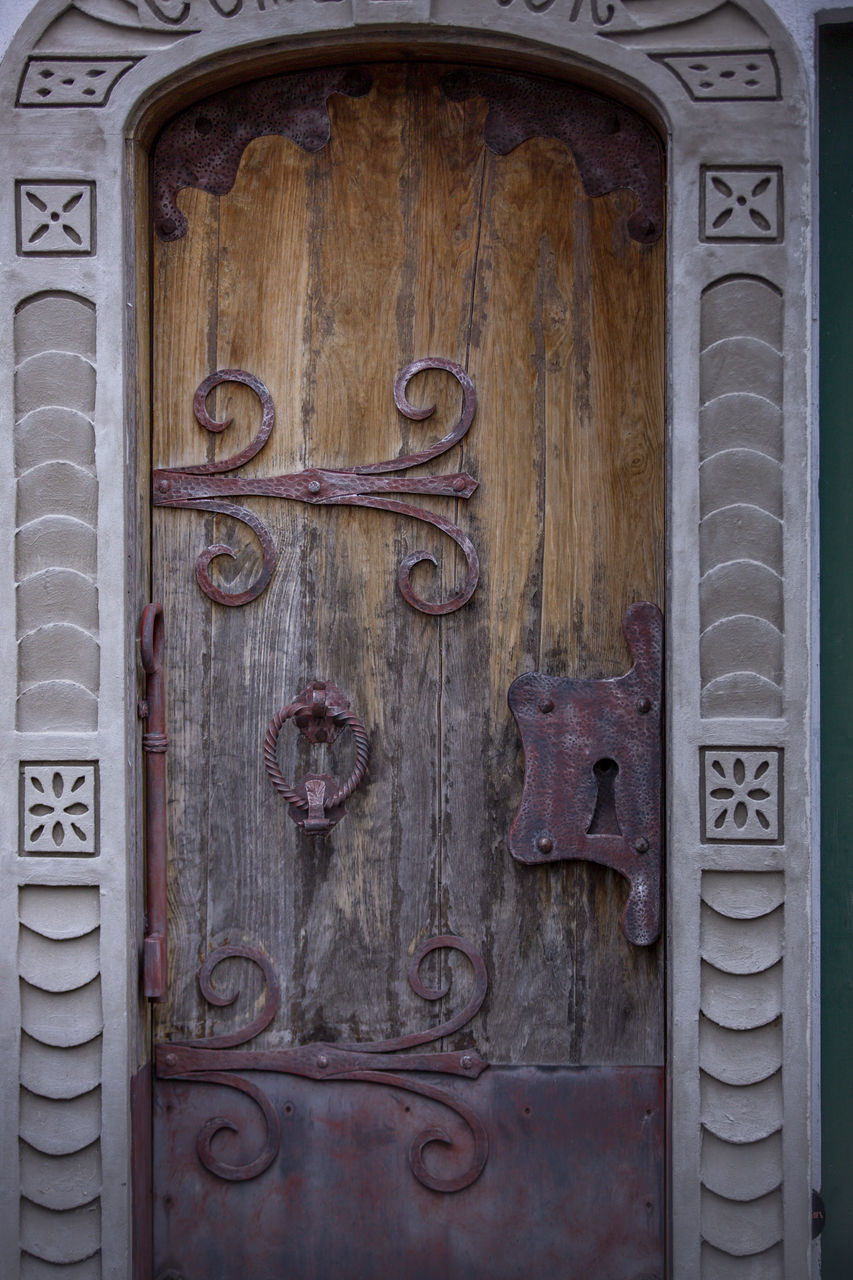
point(573, 1187)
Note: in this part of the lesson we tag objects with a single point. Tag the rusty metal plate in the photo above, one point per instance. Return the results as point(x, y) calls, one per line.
point(613, 147)
point(592, 771)
point(573, 1187)
point(202, 146)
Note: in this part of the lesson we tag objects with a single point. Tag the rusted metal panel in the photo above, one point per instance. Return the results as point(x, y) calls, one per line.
point(204, 487)
point(613, 147)
point(572, 1188)
point(202, 146)
point(592, 770)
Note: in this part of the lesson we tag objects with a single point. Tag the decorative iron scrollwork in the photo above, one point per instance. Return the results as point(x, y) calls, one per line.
point(206, 487)
point(379, 1062)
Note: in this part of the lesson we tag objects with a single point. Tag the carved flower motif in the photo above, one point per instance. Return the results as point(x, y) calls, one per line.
point(741, 795)
point(61, 809)
point(58, 803)
point(742, 204)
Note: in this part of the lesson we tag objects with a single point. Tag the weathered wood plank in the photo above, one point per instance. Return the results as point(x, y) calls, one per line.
point(183, 343)
point(324, 275)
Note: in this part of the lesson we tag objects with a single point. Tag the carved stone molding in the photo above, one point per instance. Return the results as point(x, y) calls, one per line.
point(59, 809)
point(55, 217)
point(71, 82)
point(742, 794)
point(740, 1056)
point(741, 204)
point(57, 505)
point(750, 74)
point(60, 1063)
point(740, 491)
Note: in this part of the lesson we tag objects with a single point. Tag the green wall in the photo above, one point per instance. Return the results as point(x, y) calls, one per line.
point(836, 504)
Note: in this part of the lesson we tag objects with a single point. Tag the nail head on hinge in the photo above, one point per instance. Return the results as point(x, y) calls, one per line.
point(546, 705)
point(641, 845)
point(545, 844)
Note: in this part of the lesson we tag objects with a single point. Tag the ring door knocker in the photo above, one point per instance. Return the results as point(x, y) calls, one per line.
point(321, 712)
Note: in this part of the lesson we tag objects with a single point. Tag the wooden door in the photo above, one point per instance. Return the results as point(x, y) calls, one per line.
point(324, 273)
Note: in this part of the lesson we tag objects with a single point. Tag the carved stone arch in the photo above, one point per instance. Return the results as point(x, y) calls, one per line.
point(82, 82)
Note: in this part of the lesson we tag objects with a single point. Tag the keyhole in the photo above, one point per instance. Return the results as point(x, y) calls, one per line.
point(604, 820)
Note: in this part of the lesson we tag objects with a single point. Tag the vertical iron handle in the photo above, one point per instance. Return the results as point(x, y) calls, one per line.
point(154, 744)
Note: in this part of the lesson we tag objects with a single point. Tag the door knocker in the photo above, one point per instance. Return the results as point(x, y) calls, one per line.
point(321, 712)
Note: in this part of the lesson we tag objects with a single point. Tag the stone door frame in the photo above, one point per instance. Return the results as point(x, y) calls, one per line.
point(82, 87)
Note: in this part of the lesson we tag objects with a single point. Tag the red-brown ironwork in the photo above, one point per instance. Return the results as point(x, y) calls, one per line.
point(154, 745)
point(206, 487)
point(321, 712)
point(592, 768)
point(613, 147)
point(215, 1060)
point(573, 1188)
point(202, 145)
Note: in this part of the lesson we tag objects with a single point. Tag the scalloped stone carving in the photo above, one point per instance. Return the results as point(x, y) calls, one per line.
point(60, 1091)
point(741, 1083)
point(57, 513)
point(740, 494)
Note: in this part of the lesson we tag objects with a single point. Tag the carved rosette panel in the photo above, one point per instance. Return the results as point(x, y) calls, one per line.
point(740, 1056)
point(56, 514)
point(60, 1088)
point(740, 493)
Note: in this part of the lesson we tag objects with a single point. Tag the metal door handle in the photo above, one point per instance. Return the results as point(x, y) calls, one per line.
point(321, 712)
point(154, 744)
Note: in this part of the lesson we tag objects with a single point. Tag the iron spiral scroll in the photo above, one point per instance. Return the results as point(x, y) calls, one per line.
point(216, 1059)
point(207, 487)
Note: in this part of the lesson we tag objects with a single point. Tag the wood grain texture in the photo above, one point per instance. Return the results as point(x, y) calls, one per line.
point(324, 275)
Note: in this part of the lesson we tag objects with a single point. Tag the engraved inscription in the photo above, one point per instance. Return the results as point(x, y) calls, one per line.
point(174, 13)
point(599, 12)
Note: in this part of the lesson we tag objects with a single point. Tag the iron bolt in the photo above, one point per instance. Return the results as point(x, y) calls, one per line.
point(644, 706)
point(466, 1061)
point(170, 1059)
point(641, 845)
point(313, 486)
point(322, 1061)
point(546, 705)
point(164, 485)
point(458, 484)
point(544, 844)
